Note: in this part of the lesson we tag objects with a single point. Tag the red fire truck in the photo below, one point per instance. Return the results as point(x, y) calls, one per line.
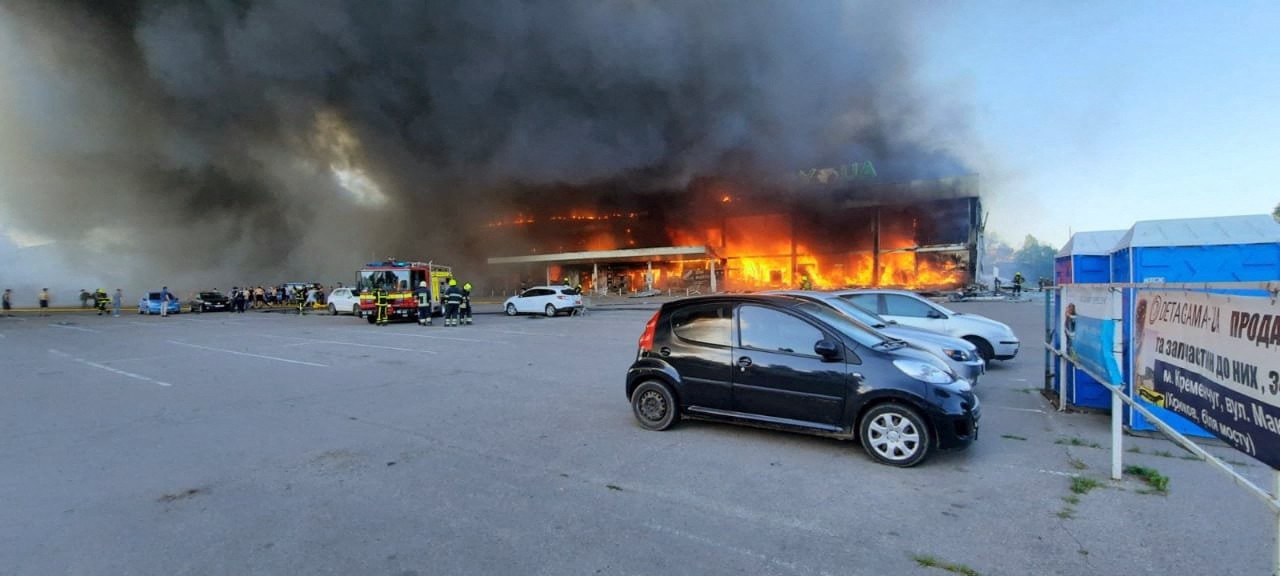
point(399, 279)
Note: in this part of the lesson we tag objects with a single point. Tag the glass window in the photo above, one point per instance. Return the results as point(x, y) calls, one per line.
point(570, 291)
point(774, 331)
point(868, 302)
point(898, 305)
point(707, 324)
point(836, 319)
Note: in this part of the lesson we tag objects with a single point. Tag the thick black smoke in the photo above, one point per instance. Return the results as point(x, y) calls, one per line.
point(199, 141)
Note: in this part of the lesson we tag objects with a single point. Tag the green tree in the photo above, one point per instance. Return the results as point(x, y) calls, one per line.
point(1034, 260)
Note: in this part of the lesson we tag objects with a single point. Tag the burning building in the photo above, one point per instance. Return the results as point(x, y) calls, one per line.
point(719, 235)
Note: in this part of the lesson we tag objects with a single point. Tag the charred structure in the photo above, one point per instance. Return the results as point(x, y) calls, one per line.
point(725, 235)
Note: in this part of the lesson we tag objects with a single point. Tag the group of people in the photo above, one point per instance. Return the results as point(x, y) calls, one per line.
point(262, 296)
point(98, 299)
point(455, 301)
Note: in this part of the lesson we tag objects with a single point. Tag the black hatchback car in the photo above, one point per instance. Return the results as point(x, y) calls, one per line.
point(784, 363)
point(211, 301)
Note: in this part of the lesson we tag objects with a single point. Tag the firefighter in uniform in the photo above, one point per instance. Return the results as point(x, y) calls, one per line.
point(300, 296)
point(1017, 284)
point(422, 294)
point(466, 303)
point(101, 300)
point(452, 302)
point(380, 305)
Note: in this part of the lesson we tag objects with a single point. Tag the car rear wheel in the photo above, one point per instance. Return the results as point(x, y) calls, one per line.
point(654, 406)
point(511, 309)
point(984, 348)
point(894, 434)
point(550, 310)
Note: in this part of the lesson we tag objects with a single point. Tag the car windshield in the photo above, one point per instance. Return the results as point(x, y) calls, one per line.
point(210, 294)
point(860, 333)
point(153, 295)
point(385, 279)
point(853, 311)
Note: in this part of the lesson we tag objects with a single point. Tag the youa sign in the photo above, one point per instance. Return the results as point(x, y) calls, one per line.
point(838, 174)
point(1215, 360)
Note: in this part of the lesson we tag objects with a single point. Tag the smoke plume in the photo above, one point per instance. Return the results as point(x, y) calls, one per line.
point(221, 142)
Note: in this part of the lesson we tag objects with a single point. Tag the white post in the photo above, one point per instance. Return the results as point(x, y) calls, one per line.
point(1275, 494)
point(648, 277)
point(713, 275)
point(548, 275)
point(1117, 435)
point(595, 278)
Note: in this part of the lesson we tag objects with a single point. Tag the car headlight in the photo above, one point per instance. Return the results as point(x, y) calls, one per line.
point(923, 371)
point(957, 354)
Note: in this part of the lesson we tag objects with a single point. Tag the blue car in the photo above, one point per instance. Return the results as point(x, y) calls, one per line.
point(150, 304)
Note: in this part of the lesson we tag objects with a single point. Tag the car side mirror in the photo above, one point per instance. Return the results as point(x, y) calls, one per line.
point(827, 349)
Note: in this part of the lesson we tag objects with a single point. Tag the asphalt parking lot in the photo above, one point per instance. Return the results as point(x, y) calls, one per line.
point(264, 443)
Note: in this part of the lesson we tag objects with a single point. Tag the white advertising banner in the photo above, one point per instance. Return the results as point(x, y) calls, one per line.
point(1089, 329)
point(1214, 359)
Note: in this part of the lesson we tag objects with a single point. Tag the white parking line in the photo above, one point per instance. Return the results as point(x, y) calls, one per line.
point(341, 343)
point(107, 368)
point(76, 328)
point(238, 353)
point(1035, 410)
point(393, 333)
point(557, 334)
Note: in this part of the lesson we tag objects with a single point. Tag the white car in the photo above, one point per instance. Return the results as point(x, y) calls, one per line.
point(344, 301)
point(995, 340)
point(545, 300)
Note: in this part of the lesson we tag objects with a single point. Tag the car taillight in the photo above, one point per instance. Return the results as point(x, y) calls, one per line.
point(646, 339)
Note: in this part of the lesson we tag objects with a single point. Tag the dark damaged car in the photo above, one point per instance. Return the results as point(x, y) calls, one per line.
point(789, 364)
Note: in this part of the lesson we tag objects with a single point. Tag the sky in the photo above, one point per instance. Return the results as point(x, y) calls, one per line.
point(1092, 115)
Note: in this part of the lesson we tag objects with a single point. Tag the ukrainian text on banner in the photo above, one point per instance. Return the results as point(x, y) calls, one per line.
point(1088, 330)
point(1214, 359)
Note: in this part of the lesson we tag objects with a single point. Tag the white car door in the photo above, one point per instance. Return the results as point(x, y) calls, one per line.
point(528, 301)
point(910, 311)
point(545, 296)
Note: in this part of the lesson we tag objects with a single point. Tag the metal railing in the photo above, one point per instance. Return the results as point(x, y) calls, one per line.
point(1119, 399)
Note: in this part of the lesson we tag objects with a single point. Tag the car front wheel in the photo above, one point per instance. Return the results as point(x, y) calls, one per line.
point(984, 348)
point(511, 309)
point(654, 406)
point(333, 310)
point(355, 310)
point(894, 434)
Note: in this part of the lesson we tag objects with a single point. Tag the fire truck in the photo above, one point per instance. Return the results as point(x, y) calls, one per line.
point(399, 279)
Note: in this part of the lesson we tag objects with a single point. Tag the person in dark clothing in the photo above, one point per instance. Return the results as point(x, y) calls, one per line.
point(8, 302)
point(300, 297)
point(381, 305)
point(422, 295)
point(1017, 284)
point(100, 301)
point(465, 312)
point(452, 303)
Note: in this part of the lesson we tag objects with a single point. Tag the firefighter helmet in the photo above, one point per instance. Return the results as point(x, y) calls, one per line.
point(453, 282)
point(422, 284)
